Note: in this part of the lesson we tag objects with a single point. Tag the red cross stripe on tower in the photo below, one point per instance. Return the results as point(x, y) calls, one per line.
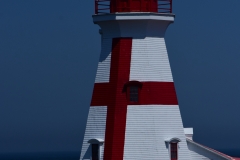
point(113, 96)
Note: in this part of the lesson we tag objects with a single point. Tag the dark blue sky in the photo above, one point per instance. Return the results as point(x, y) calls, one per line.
point(48, 59)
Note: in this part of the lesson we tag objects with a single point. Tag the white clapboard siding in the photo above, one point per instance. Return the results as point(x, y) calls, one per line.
point(96, 124)
point(149, 60)
point(199, 152)
point(104, 63)
point(147, 128)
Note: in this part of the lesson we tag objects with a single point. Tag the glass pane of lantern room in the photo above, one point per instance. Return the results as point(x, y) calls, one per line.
point(146, 6)
point(124, 6)
point(135, 5)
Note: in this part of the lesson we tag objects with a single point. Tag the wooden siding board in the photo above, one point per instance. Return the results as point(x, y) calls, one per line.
point(104, 64)
point(96, 124)
point(150, 60)
point(147, 128)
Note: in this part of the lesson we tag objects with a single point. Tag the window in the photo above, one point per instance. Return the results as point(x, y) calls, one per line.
point(174, 151)
point(95, 152)
point(133, 93)
point(96, 144)
point(132, 90)
point(173, 147)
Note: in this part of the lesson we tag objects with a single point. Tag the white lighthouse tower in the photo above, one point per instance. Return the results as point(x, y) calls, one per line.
point(134, 112)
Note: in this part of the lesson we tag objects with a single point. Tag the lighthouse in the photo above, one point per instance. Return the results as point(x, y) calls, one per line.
point(134, 112)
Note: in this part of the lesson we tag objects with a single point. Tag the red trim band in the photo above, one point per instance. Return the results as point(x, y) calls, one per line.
point(162, 93)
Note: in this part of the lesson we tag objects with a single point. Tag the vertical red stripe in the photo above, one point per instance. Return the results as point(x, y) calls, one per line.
point(117, 108)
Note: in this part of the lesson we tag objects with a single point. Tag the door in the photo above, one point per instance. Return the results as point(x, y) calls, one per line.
point(174, 151)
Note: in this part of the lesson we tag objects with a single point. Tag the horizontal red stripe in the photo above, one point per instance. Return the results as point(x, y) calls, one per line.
point(151, 93)
point(158, 93)
point(100, 96)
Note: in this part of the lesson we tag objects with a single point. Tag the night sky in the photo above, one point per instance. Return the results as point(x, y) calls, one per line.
point(49, 51)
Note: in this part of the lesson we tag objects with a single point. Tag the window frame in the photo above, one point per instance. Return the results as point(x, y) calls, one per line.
point(96, 141)
point(175, 150)
point(170, 141)
point(127, 89)
point(98, 149)
point(133, 94)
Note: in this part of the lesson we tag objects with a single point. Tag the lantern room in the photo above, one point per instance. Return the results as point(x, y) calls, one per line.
point(133, 6)
point(113, 6)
